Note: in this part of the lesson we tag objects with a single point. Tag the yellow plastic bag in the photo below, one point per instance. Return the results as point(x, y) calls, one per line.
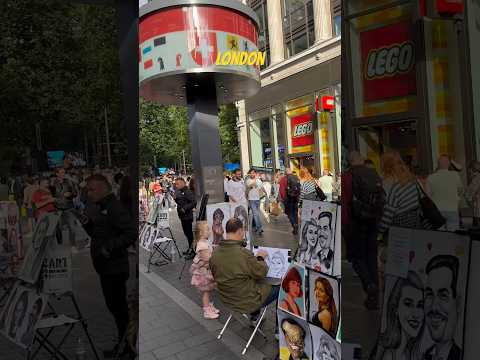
point(23, 211)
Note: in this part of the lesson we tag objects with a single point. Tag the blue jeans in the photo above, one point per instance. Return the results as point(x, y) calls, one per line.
point(273, 296)
point(255, 206)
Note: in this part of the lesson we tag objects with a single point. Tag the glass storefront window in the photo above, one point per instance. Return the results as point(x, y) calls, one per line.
point(260, 143)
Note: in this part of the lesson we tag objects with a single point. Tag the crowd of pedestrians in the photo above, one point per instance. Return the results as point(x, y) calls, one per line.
point(101, 199)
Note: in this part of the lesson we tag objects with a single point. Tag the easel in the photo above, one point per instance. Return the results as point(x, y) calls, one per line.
point(58, 321)
point(159, 249)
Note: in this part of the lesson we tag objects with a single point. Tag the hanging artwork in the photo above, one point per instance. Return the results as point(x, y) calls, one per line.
point(424, 303)
point(295, 339)
point(240, 211)
point(317, 235)
point(278, 260)
point(45, 231)
point(292, 291)
point(20, 315)
point(217, 217)
point(324, 346)
point(324, 302)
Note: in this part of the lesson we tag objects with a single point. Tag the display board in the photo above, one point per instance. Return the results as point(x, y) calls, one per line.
point(218, 215)
point(309, 315)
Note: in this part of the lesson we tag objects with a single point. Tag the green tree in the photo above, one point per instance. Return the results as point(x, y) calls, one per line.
point(228, 115)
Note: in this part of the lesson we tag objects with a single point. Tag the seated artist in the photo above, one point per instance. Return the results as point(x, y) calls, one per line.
point(240, 276)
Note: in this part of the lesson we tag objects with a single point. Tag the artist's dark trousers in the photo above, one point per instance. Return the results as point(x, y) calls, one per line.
point(188, 231)
point(364, 251)
point(114, 288)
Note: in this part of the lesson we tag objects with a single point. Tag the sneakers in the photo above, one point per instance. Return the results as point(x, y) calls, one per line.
point(214, 309)
point(209, 313)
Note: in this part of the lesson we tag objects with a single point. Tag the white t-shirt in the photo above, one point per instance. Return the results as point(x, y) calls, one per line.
point(237, 190)
point(254, 193)
point(444, 187)
point(326, 184)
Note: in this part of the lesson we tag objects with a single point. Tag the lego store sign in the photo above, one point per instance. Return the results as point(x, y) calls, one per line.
point(303, 138)
point(388, 62)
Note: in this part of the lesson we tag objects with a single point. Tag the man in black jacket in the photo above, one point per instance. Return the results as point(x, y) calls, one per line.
point(112, 231)
point(186, 202)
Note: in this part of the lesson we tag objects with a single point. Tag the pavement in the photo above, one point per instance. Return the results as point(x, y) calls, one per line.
point(101, 325)
point(181, 332)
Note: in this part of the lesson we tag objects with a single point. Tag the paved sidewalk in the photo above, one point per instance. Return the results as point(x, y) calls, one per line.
point(277, 234)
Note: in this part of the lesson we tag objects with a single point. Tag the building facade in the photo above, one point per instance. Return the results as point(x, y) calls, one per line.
point(280, 126)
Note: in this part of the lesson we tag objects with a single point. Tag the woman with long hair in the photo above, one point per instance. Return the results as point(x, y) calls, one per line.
point(326, 316)
point(309, 189)
point(402, 207)
point(405, 321)
point(308, 244)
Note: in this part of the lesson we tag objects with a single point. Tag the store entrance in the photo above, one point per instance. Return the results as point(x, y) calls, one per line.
point(375, 140)
point(308, 161)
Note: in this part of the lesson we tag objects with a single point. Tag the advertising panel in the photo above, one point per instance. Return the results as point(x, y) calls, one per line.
point(303, 139)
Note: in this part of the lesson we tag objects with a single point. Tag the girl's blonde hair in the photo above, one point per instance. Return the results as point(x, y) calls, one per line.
point(394, 168)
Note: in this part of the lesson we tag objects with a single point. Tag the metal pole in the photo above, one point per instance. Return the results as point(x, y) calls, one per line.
point(107, 134)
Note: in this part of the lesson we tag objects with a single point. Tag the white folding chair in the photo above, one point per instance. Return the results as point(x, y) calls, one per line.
point(237, 316)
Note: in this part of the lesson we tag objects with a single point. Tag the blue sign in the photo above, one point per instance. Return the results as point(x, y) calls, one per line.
point(55, 158)
point(162, 170)
point(231, 166)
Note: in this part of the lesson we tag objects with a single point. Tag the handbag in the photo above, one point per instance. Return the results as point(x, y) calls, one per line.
point(430, 212)
point(320, 194)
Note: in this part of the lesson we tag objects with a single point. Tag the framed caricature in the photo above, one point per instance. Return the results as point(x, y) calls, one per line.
point(292, 292)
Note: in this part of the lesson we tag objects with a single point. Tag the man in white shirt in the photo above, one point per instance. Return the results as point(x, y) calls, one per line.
point(235, 188)
point(326, 184)
point(254, 188)
point(444, 188)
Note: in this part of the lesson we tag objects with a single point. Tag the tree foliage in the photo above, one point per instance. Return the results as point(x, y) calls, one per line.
point(59, 66)
point(164, 134)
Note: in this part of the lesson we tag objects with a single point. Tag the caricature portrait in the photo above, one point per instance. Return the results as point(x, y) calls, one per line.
point(327, 349)
point(278, 260)
point(324, 301)
point(405, 320)
point(241, 213)
point(317, 237)
point(33, 317)
point(7, 308)
point(146, 236)
point(217, 226)
point(441, 306)
point(292, 291)
point(18, 314)
point(295, 339)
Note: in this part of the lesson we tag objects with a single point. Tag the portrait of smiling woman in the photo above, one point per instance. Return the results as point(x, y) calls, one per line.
point(405, 321)
point(326, 315)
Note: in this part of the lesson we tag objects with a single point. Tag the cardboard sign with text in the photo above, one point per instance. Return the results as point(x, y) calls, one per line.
point(388, 62)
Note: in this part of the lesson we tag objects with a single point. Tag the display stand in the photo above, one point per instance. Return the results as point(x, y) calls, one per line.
point(52, 321)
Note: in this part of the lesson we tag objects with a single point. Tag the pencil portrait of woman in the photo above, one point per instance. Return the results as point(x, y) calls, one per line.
point(405, 320)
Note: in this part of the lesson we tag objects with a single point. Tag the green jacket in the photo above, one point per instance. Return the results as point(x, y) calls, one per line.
point(238, 273)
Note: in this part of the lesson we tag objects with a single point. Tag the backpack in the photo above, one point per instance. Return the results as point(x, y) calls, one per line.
point(369, 197)
point(293, 186)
